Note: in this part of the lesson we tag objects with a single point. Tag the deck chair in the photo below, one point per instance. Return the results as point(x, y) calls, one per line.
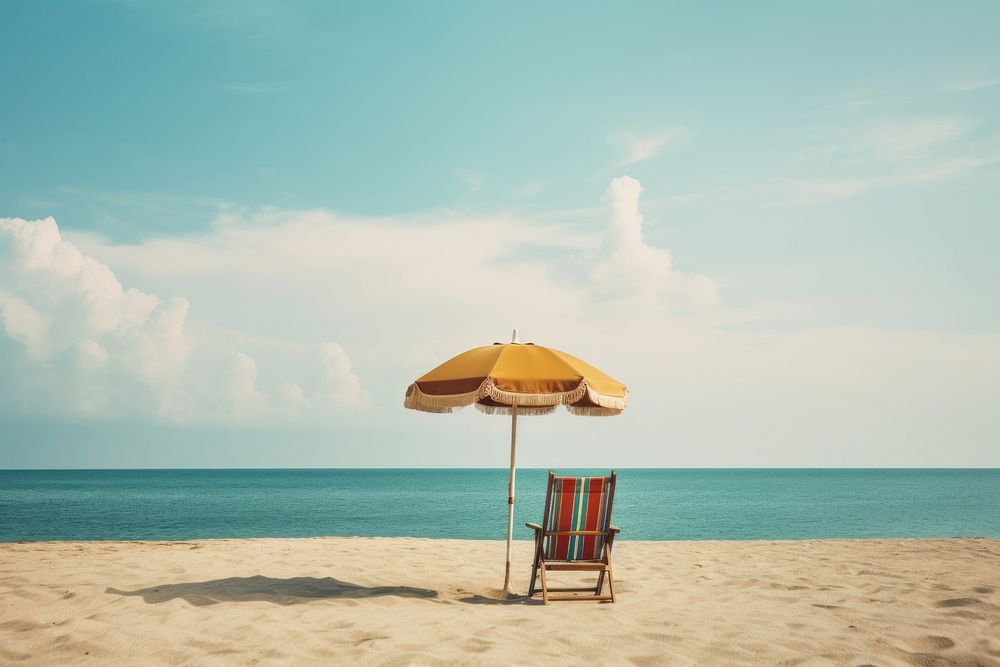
point(576, 534)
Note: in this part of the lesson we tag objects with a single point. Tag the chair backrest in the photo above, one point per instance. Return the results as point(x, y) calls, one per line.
point(577, 503)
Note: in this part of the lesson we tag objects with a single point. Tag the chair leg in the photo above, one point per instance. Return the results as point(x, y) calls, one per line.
point(534, 569)
point(611, 579)
point(545, 589)
point(600, 583)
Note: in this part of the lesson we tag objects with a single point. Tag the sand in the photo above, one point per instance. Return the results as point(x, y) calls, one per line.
point(417, 601)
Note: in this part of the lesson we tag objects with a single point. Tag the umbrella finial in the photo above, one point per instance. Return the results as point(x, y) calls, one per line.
point(514, 338)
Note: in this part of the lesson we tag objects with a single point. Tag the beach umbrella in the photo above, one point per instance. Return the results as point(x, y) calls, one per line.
point(516, 379)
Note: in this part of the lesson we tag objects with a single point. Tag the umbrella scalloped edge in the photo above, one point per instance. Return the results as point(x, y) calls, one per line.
point(527, 404)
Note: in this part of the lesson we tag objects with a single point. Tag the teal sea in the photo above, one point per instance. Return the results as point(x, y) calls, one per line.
point(651, 504)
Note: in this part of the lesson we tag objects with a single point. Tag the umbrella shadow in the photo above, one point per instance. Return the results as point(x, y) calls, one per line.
point(297, 590)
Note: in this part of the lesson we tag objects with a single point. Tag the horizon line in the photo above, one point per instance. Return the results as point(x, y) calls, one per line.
point(503, 468)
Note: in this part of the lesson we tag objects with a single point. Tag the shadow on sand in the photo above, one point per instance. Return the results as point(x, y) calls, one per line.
point(509, 600)
point(267, 589)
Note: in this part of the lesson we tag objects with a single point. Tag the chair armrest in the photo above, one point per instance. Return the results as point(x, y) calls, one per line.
point(534, 526)
point(614, 529)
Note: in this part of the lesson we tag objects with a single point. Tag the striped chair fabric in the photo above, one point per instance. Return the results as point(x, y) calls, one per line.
point(577, 503)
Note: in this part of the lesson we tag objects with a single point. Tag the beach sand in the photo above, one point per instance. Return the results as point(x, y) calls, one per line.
point(402, 601)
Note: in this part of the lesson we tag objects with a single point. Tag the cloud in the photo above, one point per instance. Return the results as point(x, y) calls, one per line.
point(94, 348)
point(913, 139)
point(24, 324)
point(471, 179)
point(312, 272)
point(343, 385)
point(894, 141)
point(310, 317)
point(262, 285)
point(896, 153)
point(124, 214)
point(47, 281)
point(634, 270)
point(790, 192)
point(970, 85)
point(530, 189)
point(891, 153)
point(244, 400)
point(292, 396)
point(643, 148)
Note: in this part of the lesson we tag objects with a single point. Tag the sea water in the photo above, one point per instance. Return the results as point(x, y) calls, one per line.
point(650, 504)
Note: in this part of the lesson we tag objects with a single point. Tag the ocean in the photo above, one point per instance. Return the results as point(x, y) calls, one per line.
point(650, 504)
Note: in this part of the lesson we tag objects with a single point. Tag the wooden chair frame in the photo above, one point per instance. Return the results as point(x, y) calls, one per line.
point(603, 566)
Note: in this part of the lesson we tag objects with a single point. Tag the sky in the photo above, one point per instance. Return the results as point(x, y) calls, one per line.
point(231, 234)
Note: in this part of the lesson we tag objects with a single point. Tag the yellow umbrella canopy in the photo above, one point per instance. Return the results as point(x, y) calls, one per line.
point(516, 379)
point(536, 379)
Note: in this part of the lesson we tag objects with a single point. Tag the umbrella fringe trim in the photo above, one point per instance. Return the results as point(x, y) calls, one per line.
point(522, 411)
point(590, 411)
point(605, 405)
point(617, 403)
point(490, 390)
point(418, 400)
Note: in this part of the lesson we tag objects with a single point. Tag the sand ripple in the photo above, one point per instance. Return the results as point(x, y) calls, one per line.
point(414, 601)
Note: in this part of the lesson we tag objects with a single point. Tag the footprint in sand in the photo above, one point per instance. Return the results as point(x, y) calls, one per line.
point(18, 625)
point(364, 640)
point(930, 643)
point(985, 590)
point(956, 602)
point(477, 645)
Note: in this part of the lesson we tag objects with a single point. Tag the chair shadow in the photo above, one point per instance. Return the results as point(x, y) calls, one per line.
point(512, 599)
point(297, 590)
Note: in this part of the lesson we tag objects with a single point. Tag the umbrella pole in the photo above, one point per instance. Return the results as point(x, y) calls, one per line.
point(510, 496)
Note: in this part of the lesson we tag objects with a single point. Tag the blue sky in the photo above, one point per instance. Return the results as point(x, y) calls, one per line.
point(313, 203)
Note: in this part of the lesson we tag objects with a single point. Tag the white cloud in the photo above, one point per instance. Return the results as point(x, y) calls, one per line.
point(392, 290)
point(313, 272)
point(343, 385)
point(25, 324)
point(638, 149)
point(79, 292)
point(91, 355)
point(268, 291)
point(471, 179)
point(907, 140)
point(292, 396)
point(97, 349)
point(530, 189)
point(789, 192)
point(975, 84)
point(245, 399)
point(902, 152)
point(641, 273)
